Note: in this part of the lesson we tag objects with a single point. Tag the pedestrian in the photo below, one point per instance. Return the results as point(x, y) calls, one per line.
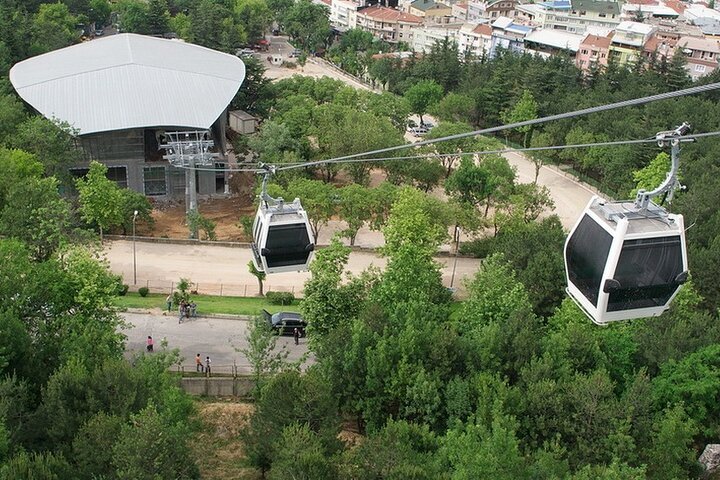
point(193, 309)
point(198, 364)
point(207, 366)
point(169, 301)
point(181, 310)
point(150, 344)
point(296, 335)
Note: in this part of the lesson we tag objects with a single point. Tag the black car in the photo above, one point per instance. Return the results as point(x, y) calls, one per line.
point(285, 323)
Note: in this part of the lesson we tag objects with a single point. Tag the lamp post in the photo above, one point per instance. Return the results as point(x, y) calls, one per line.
point(135, 214)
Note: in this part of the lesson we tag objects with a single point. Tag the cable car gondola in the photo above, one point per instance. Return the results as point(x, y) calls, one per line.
point(282, 237)
point(626, 260)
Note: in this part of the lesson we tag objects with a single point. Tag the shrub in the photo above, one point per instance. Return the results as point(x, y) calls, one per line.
point(280, 298)
point(122, 289)
point(480, 248)
point(143, 291)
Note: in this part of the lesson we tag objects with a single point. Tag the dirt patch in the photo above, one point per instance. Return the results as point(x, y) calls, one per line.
point(225, 212)
point(219, 451)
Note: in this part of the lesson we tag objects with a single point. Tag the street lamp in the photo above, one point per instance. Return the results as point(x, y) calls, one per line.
point(135, 214)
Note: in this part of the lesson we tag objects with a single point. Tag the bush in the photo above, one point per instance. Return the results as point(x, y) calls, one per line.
point(143, 291)
point(480, 248)
point(122, 289)
point(280, 298)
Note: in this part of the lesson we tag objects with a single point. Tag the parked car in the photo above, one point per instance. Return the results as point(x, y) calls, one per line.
point(428, 125)
point(285, 323)
point(295, 53)
point(245, 52)
point(419, 131)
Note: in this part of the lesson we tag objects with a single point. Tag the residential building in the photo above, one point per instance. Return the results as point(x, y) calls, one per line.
point(641, 10)
point(594, 51)
point(474, 41)
point(708, 26)
point(508, 35)
point(661, 44)
point(459, 12)
point(431, 11)
point(121, 93)
point(425, 36)
point(478, 10)
point(387, 23)
point(343, 14)
point(629, 40)
point(553, 42)
point(702, 55)
point(575, 16)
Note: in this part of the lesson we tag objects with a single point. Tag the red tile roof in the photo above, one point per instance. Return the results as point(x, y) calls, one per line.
point(596, 41)
point(676, 5)
point(483, 29)
point(390, 15)
point(461, 5)
point(643, 2)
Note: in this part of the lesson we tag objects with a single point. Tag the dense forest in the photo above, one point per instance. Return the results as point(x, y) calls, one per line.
point(514, 382)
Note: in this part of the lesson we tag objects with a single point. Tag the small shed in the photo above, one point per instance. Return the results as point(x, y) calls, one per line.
point(242, 122)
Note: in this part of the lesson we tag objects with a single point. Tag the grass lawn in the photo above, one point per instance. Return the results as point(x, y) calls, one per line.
point(207, 304)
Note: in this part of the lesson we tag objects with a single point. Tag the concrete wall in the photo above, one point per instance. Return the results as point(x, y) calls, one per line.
point(217, 386)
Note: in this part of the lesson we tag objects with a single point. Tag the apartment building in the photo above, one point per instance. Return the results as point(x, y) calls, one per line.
point(629, 40)
point(702, 55)
point(594, 50)
point(474, 41)
point(387, 23)
point(425, 36)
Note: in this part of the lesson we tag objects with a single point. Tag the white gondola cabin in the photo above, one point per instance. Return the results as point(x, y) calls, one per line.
point(622, 263)
point(282, 237)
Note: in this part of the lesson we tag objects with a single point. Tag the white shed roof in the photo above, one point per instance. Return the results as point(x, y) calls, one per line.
point(556, 39)
point(130, 81)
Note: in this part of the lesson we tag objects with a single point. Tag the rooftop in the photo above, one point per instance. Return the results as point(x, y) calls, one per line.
point(556, 39)
point(598, 6)
point(597, 41)
point(130, 81)
point(389, 14)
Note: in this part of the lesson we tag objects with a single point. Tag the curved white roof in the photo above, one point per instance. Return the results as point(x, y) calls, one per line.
point(130, 81)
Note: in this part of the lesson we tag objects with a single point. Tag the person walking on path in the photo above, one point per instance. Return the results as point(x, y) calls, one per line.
point(296, 336)
point(207, 366)
point(150, 344)
point(169, 301)
point(199, 364)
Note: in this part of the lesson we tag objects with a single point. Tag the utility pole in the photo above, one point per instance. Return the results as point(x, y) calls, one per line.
point(189, 150)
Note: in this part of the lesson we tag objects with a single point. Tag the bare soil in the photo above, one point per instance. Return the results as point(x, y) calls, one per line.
point(219, 451)
point(225, 212)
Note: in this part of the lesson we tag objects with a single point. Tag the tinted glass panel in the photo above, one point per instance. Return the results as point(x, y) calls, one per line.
point(287, 245)
point(586, 255)
point(646, 271)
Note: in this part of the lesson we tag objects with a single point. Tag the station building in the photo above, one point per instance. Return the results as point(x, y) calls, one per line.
point(121, 93)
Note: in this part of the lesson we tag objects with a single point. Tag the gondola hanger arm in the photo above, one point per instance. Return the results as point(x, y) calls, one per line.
point(671, 183)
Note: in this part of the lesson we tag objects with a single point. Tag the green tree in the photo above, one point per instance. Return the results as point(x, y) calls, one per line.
point(93, 446)
point(212, 25)
point(53, 27)
point(423, 96)
point(652, 175)
point(255, 17)
point(38, 466)
point(307, 24)
point(290, 398)
point(256, 94)
point(672, 455)
point(12, 114)
point(318, 200)
point(52, 143)
point(158, 17)
point(99, 12)
point(301, 456)
point(151, 448)
point(265, 359)
point(181, 24)
point(454, 107)
point(35, 213)
point(101, 201)
point(526, 108)
point(133, 16)
point(399, 450)
point(355, 208)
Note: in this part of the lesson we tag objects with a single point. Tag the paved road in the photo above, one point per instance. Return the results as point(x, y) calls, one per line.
point(210, 266)
point(215, 337)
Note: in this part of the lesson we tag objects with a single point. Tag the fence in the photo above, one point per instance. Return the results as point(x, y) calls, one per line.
point(219, 289)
